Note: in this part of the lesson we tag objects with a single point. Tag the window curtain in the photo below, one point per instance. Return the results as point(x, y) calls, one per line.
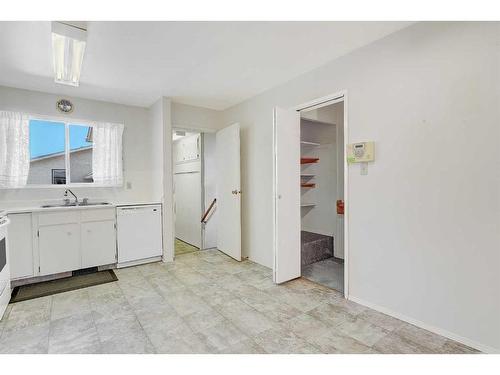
point(107, 163)
point(14, 149)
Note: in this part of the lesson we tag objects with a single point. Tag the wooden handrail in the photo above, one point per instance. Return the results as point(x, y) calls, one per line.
point(208, 211)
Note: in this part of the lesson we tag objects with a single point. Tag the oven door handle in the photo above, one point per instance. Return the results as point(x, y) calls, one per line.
point(4, 222)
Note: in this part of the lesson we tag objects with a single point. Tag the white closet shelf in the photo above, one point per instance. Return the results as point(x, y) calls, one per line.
point(307, 204)
point(313, 121)
point(304, 143)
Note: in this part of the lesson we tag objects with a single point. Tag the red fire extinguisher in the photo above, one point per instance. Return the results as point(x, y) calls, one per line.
point(340, 207)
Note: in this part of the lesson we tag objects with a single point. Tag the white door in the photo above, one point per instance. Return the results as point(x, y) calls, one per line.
point(286, 133)
point(20, 246)
point(98, 243)
point(228, 191)
point(59, 247)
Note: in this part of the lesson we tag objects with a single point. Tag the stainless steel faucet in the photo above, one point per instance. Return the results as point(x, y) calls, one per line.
point(73, 194)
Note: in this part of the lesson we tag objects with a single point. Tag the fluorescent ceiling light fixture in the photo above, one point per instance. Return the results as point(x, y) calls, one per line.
point(68, 46)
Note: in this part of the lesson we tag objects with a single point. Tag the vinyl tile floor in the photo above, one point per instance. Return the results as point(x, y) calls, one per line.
point(328, 272)
point(205, 302)
point(182, 247)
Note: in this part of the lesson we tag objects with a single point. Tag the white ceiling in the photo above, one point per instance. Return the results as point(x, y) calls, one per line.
point(209, 64)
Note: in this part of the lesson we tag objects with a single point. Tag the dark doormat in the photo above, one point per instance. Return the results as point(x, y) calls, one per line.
point(66, 284)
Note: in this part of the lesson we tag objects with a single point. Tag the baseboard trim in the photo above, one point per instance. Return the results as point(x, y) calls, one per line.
point(463, 340)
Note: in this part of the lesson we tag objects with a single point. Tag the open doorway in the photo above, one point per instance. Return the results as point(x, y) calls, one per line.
point(194, 186)
point(206, 191)
point(322, 195)
point(309, 173)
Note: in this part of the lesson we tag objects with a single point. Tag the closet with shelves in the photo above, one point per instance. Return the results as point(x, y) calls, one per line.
point(319, 170)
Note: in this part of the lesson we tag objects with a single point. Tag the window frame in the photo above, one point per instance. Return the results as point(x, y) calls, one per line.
point(67, 122)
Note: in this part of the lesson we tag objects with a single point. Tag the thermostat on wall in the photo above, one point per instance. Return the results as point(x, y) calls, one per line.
point(360, 152)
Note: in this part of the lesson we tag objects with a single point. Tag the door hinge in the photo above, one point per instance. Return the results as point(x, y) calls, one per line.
point(38, 233)
point(38, 269)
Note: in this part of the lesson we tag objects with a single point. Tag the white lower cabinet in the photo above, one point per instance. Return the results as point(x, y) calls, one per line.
point(59, 248)
point(98, 243)
point(20, 246)
point(46, 243)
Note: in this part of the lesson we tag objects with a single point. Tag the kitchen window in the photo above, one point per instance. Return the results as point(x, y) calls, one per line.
point(45, 152)
point(60, 153)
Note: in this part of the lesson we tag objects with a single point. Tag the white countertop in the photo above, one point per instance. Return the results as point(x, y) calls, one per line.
point(39, 208)
point(18, 210)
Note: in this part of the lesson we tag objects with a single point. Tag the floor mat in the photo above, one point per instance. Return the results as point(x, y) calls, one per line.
point(66, 284)
point(182, 247)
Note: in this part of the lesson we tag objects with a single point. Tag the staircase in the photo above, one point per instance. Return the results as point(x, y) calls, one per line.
point(315, 247)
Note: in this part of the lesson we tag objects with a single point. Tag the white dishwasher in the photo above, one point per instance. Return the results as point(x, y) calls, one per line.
point(139, 234)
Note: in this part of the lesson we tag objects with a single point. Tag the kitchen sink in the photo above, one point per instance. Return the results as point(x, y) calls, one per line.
point(79, 204)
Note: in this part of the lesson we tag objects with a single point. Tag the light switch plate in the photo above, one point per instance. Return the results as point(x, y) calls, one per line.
point(363, 168)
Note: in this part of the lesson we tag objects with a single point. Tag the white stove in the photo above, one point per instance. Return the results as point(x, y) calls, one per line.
point(4, 264)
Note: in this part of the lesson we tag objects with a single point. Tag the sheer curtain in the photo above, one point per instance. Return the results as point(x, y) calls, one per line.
point(107, 163)
point(14, 149)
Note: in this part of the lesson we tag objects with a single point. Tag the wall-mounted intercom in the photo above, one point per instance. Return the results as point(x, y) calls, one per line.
point(360, 152)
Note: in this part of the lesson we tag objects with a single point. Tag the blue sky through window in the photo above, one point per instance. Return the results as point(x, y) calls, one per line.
point(78, 136)
point(48, 137)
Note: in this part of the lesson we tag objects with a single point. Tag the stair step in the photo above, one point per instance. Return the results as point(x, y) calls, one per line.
point(315, 247)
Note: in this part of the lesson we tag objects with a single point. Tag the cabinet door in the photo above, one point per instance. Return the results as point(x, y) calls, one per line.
point(98, 243)
point(20, 246)
point(59, 247)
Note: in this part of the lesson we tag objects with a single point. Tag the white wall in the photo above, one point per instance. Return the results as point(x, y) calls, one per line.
point(197, 118)
point(424, 229)
point(160, 146)
point(137, 155)
point(155, 113)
